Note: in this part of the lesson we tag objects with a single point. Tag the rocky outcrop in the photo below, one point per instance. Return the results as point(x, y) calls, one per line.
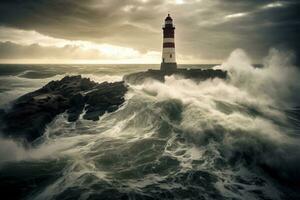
point(194, 74)
point(29, 114)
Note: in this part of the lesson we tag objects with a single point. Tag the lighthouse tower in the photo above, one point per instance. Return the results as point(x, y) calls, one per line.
point(168, 63)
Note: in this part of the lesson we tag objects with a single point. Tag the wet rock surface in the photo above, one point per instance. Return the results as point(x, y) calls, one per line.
point(29, 114)
point(194, 74)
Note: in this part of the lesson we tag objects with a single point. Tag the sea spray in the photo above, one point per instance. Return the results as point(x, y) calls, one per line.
point(276, 81)
point(214, 139)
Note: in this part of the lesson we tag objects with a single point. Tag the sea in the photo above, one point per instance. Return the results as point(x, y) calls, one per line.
point(215, 139)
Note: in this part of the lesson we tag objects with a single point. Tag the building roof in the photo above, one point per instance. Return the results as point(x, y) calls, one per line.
point(168, 18)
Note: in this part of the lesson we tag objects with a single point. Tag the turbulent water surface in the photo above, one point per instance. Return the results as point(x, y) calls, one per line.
point(217, 139)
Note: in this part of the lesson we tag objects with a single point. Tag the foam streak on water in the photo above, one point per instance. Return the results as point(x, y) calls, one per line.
point(175, 140)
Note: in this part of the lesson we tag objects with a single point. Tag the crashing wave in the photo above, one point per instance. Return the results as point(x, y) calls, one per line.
point(181, 139)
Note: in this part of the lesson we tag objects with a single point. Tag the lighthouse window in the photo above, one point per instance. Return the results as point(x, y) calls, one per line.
point(170, 55)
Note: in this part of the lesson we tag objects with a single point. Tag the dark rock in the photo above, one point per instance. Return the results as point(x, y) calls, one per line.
point(2, 112)
point(194, 74)
point(93, 114)
point(29, 114)
point(141, 77)
point(76, 107)
point(108, 95)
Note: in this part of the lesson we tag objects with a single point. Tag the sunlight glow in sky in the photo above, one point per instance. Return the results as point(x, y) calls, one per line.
point(115, 31)
point(236, 15)
point(107, 53)
point(273, 5)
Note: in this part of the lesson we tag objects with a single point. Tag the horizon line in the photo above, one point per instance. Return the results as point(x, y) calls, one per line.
point(105, 63)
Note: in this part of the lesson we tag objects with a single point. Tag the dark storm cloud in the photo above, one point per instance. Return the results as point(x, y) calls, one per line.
point(80, 20)
point(266, 27)
point(207, 29)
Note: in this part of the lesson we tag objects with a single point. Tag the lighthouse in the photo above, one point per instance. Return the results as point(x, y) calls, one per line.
point(168, 63)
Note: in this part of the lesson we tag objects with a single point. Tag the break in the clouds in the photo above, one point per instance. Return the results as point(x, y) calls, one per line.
point(130, 30)
point(30, 46)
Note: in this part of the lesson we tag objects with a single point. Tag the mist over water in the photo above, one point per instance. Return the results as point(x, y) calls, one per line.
point(216, 139)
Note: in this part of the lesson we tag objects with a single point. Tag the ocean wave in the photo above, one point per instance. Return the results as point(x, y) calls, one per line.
point(217, 139)
point(37, 74)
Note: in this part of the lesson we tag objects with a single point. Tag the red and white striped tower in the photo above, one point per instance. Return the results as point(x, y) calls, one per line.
point(168, 54)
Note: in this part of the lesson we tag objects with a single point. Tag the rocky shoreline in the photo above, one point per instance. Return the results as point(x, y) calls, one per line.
point(194, 74)
point(29, 114)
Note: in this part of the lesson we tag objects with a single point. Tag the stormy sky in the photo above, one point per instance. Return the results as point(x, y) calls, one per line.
point(129, 31)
